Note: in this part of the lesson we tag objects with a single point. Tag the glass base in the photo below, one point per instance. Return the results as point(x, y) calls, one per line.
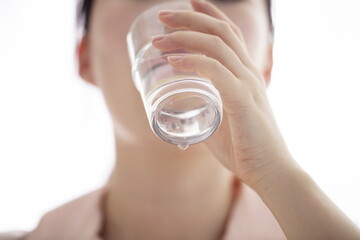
point(185, 115)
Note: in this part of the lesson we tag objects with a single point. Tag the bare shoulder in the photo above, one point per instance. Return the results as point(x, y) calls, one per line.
point(251, 218)
point(16, 235)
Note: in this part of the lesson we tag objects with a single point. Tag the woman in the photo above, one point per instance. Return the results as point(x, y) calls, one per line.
point(242, 183)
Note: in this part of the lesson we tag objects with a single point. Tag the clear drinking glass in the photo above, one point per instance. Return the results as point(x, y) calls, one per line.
point(182, 108)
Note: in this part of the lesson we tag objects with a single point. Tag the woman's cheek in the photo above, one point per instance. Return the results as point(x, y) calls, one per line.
point(252, 22)
point(256, 42)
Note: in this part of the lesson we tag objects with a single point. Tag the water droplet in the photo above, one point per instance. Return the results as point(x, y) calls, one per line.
point(183, 146)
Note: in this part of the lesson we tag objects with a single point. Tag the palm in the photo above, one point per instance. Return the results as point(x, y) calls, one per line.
point(220, 144)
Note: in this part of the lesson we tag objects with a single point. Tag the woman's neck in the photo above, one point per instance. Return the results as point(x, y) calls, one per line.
point(162, 192)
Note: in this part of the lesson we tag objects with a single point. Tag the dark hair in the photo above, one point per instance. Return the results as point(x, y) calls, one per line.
point(85, 7)
point(83, 14)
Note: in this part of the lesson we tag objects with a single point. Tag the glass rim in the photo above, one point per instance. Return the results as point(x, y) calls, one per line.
point(159, 6)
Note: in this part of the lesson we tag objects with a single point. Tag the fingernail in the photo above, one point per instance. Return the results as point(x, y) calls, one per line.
point(166, 13)
point(174, 58)
point(158, 37)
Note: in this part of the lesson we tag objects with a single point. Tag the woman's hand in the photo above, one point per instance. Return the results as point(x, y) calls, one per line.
point(248, 141)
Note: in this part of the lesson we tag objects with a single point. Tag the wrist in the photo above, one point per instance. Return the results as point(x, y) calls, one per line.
point(274, 174)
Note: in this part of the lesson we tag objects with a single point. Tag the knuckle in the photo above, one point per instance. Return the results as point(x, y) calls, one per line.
point(184, 59)
point(175, 35)
point(186, 18)
point(216, 66)
point(238, 32)
point(225, 27)
point(217, 41)
point(187, 24)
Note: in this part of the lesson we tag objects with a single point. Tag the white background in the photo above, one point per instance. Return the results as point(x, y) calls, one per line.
point(55, 132)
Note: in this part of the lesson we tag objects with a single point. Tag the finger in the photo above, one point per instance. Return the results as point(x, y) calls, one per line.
point(210, 9)
point(201, 22)
point(210, 45)
point(222, 78)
